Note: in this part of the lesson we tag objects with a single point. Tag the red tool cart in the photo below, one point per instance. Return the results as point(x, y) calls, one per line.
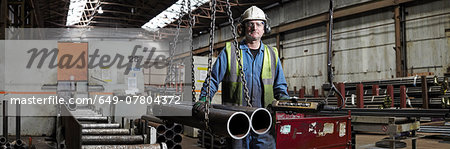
point(312, 131)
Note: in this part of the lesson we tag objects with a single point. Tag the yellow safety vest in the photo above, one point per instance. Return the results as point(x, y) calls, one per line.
point(232, 89)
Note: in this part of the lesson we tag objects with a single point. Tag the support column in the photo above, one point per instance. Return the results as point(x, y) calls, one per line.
point(400, 47)
point(425, 100)
point(402, 96)
point(390, 92)
point(302, 92)
point(359, 96)
point(341, 88)
point(375, 90)
point(295, 90)
point(315, 92)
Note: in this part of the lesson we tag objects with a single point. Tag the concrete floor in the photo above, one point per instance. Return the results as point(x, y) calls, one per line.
point(363, 141)
point(189, 143)
point(367, 141)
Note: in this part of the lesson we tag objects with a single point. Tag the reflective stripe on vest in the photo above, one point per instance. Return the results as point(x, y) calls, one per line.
point(232, 89)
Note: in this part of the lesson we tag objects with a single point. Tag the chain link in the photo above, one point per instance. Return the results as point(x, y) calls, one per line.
point(238, 54)
point(171, 67)
point(191, 24)
point(211, 50)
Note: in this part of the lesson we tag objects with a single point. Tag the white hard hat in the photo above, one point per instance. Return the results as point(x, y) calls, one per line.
point(253, 13)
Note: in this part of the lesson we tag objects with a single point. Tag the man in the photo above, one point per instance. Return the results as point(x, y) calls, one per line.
point(263, 73)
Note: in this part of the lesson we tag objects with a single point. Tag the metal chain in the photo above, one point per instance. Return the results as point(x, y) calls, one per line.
point(170, 68)
point(211, 50)
point(191, 24)
point(238, 54)
point(329, 65)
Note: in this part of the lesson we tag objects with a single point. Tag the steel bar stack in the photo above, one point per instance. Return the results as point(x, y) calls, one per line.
point(407, 92)
point(98, 132)
point(369, 101)
point(443, 130)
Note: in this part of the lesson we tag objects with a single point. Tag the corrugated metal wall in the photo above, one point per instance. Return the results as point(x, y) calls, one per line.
point(363, 49)
point(427, 42)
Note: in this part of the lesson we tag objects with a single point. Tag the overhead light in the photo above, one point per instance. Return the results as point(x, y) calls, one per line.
point(75, 11)
point(100, 10)
point(171, 14)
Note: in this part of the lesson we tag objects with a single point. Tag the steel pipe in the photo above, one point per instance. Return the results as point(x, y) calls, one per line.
point(221, 122)
point(105, 131)
point(176, 146)
point(85, 115)
point(152, 118)
point(8, 145)
point(19, 144)
point(3, 141)
point(161, 138)
point(177, 138)
point(112, 140)
point(169, 125)
point(140, 146)
point(177, 128)
point(100, 126)
point(169, 134)
point(261, 119)
point(170, 143)
point(160, 128)
point(92, 118)
point(83, 112)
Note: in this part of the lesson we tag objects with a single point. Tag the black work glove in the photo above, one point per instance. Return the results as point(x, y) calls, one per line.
point(199, 106)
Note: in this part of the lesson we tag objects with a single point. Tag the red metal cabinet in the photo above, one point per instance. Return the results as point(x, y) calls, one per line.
point(300, 131)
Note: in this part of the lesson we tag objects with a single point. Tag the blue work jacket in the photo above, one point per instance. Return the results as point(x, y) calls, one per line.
point(252, 69)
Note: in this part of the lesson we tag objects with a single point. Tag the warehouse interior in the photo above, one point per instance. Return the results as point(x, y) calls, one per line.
point(363, 74)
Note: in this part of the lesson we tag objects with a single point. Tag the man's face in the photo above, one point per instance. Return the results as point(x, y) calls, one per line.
point(254, 30)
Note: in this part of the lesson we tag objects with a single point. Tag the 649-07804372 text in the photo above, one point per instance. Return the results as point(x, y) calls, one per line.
point(98, 99)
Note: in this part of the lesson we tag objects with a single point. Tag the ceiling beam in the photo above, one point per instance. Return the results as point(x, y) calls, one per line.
point(320, 18)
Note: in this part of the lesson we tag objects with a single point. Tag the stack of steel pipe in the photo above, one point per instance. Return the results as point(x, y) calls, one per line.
point(407, 81)
point(225, 120)
point(138, 146)
point(204, 140)
point(169, 133)
point(260, 118)
point(369, 101)
point(3, 142)
point(222, 122)
point(97, 131)
point(230, 121)
point(444, 130)
point(415, 94)
point(19, 144)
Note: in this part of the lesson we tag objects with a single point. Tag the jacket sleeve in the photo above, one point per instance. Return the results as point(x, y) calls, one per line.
point(280, 85)
point(217, 74)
